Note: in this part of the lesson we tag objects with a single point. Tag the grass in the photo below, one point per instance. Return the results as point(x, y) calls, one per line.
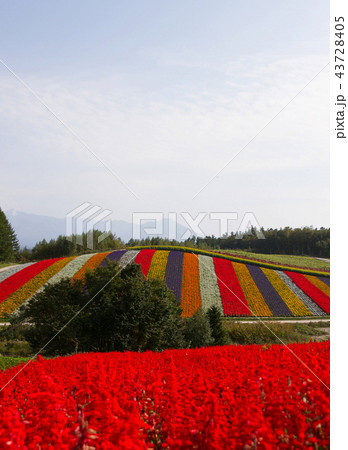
point(301, 261)
point(5, 264)
point(257, 333)
point(6, 362)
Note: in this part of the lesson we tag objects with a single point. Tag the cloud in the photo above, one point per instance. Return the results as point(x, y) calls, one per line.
point(157, 142)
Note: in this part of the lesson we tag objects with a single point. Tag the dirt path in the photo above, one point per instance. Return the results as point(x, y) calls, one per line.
point(8, 267)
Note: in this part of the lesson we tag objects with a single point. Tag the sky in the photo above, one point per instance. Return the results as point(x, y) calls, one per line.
point(166, 94)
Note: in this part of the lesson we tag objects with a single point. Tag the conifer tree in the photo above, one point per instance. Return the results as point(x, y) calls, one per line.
point(8, 239)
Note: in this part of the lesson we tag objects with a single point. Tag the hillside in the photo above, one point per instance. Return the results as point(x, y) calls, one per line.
point(238, 287)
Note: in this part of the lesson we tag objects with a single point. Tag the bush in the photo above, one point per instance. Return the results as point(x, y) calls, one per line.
point(197, 331)
point(111, 311)
point(264, 333)
point(215, 321)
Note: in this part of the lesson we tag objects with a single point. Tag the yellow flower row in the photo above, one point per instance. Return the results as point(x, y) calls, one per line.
point(158, 264)
point(22, 294)
point(251, 292)
point(293, 302)
point(319, 284)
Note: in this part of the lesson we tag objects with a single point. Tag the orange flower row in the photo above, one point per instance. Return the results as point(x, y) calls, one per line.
point(319, 284)
point(190, 290)
point(91, 264)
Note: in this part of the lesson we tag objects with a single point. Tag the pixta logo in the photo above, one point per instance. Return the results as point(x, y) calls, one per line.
point(83, 220)
point(151, 224)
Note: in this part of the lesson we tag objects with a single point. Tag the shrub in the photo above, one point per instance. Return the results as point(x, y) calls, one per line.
point(215, 321)
point(197, 331)
point(110, 311)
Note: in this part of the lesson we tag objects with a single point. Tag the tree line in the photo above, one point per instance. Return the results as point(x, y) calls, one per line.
point(307, 241)
point(291, 241)
point(75, 245)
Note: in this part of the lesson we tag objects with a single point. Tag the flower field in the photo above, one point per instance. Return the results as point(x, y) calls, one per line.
point(197, 280)
point(232, 397)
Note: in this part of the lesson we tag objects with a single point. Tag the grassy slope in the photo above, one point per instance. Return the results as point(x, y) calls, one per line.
point(291, 260)
point(239, 258)
point(258, 333)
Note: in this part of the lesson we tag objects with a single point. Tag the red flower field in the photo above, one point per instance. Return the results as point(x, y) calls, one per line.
point(242, 397)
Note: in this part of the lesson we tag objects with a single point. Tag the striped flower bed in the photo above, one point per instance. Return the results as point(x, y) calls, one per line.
point(190, 289)
point(232, 295)
point(197, 280)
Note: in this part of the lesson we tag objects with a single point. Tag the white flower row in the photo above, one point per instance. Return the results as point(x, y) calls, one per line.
point(210, 292)
point(68, 271)
point(127, 258)
point(311, 305)
point(9, 272)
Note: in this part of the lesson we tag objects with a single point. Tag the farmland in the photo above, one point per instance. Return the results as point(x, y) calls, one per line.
point(238, 287)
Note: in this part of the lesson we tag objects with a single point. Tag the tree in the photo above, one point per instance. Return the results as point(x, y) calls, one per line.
point(215, 321)
point(74, 245)
point(197, 330)
point(115, 311)
point(8, 239)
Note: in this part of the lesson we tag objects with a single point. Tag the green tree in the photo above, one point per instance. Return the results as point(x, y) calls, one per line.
point(197, 331)
point(215, 321)
point(115, 311)
point(8, 239)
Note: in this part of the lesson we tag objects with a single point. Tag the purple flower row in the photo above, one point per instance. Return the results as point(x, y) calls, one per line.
point(173, 275)
point(274, 301)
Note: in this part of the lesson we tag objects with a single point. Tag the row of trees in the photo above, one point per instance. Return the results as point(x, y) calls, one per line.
point(288, 241)
point(293, 241)
point(73, 245)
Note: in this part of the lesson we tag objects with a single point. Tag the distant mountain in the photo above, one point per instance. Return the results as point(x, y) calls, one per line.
point(32, 228)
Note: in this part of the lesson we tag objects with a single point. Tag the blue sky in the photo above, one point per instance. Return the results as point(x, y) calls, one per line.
point(166, 93)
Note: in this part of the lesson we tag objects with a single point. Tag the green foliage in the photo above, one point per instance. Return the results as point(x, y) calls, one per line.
point(23, 256)
point(197, 331)
point(215, 321)
point(15, 348)
point(111, 312)
point(8, 241)
point(6, 362)
point(268, 333)
point(74, 245)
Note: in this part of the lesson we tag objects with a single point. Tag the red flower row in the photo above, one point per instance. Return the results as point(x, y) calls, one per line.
point(14, 282)
point(233, 300)
point(218, 398)
point(311, 290)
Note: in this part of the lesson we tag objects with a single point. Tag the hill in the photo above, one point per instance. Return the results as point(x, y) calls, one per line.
point(238, 287)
